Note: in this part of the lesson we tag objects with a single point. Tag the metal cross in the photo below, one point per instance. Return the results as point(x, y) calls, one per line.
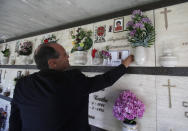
point(165, 16)
point(169, 93)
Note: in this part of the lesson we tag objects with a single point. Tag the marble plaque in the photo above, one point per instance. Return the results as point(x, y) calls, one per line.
point(144, 89)
point(171, 118)
point(175, 36)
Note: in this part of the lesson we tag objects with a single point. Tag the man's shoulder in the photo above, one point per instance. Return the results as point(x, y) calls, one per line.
point(72, 72)
point(27, 77)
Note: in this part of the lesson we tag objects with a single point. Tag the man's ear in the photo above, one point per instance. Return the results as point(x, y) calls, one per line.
point(52, 63)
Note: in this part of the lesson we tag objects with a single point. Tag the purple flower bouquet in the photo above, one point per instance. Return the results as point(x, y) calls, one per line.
point(141, 30)
point(128, 107)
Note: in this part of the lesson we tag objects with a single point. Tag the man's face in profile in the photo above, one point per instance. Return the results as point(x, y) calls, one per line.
point(62, 62)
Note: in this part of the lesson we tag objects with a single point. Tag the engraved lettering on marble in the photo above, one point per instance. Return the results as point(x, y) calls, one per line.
point(100, 109)
point(185, 104)
point(98, 104)
point(165, 17)
point(103, 99)
point(169, 92)
point(116, 39)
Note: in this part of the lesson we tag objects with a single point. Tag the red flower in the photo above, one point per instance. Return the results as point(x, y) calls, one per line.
point(46, 41)
point(93, 53)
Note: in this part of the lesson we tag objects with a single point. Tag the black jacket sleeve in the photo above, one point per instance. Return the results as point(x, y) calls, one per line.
point(15, 119)
point(99, 82)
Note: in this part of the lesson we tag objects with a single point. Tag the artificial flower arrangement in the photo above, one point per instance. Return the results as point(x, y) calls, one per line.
point(141, 30)
point(50, 39)
point(128, 107)
point(6, 52)
point(81, 40)
point(25, 48)
point(104, 54)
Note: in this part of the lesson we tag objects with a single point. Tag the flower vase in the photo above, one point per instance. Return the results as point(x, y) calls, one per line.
point(4, 60)
point(80, 57)
point(140, 55)
point(12, 60)
point(97, 61)
point(105, 62)
point(129, 127)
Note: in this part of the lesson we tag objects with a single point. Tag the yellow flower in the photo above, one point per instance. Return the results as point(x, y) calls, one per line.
point(73, 42)
point(81, 44)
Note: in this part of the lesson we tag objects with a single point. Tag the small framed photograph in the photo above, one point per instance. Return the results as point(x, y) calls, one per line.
point(118, 24)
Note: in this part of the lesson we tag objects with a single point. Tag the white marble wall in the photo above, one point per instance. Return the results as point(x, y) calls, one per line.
point(172, 118)
point(176, 35)
point(149, 88)
point(137, 84)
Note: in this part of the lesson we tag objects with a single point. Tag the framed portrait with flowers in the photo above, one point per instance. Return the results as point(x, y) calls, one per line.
point(118, 24)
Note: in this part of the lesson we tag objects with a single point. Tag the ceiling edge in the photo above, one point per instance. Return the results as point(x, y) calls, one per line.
point(120, 13)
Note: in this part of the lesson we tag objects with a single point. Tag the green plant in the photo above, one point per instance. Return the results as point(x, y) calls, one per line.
point(82, 40)
point(6, 52)
point(49, 39)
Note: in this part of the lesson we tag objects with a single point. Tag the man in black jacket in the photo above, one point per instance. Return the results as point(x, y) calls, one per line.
point(56, 99)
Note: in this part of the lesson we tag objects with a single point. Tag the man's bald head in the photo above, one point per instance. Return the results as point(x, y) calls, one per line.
point(51, 56)
point(42, 54)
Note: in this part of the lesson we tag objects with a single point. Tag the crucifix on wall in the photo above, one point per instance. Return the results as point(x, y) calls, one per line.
point(165, 17)
point(169, 92)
